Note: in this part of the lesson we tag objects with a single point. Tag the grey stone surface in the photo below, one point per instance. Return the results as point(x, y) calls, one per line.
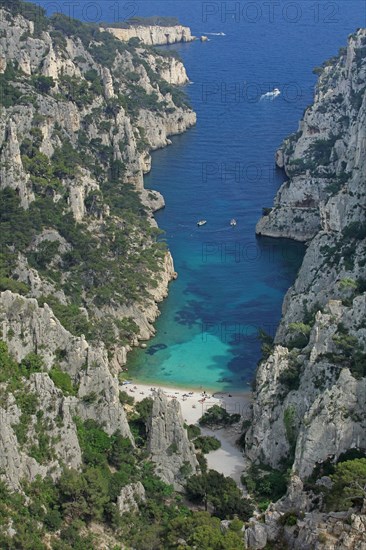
point(168, 443)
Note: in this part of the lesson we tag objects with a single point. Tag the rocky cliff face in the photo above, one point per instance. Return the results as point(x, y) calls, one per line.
point(326, 165)
point(114, 107)
point(310, 404)
point(28, 328)
point(168, 443)
point(81, 267)
point(312, 530)
point(153, 35)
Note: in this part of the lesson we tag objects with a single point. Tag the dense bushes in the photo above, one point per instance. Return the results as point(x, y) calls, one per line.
point(355, 230)
point(9, 95)
point(62, 381)
point(300, 333)
point(139, 420)
point(206, 443)
point(153, 20)
point(349, 485)
point(218, 417)
point(221, 492)
point(265, 484)
point(30, 11)
point(267, 343)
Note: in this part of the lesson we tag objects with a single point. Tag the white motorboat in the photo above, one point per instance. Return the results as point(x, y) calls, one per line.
point(233, 222)
point(202, 222)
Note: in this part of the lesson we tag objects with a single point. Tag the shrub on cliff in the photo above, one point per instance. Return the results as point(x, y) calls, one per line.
point(349, 485)
point(264, 483)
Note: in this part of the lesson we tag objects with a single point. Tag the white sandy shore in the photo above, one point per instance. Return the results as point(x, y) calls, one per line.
point(227, 460)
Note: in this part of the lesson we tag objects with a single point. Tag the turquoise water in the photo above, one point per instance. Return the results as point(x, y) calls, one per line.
point(230, 284)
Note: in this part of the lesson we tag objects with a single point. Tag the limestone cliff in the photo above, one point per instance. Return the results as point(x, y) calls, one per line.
point(81, 266)
point(102, 106)
point(28, 328)
point(310, 406)
point(153, 35)
point(326, 165)
point(168, 443)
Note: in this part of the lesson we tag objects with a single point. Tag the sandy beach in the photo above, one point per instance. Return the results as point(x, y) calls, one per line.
point(227, 460)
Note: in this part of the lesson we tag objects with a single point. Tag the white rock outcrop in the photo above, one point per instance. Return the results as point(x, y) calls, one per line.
point(130, 497)
point(153, 35)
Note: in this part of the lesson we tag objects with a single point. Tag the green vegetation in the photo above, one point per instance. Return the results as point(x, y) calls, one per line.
point(62, 511)
point(290, 518)
point(206, 443)
point(139, 420)
point(202, 442)
point(14, 373)
point(350, 353)
point(267, 343)
point(43, 84)
point(290, 377)
point(62, 381)
point(217, 416)
point(203, 531)
point(221, 492)
point(43, 449)
point(193, 431)
point(97, 267)
point(320, 150)
point(265, 484)
point(349, 485)
point(355, 230)
point(156, 20)
point(290, 422)
point(9, 94)
point(300, 333)
point(125, 398)
point(120, 262)
point(112, 258)
point(30, 11)
point(27, 402)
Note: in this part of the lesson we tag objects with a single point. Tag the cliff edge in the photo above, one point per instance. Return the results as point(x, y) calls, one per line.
point(309, 411)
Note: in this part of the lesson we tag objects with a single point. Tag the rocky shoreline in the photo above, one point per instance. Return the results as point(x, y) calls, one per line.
point(78, 101)
point(309, 404)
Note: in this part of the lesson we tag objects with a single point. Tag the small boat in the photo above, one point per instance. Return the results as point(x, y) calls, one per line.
point(202, 222)
point(233, 222)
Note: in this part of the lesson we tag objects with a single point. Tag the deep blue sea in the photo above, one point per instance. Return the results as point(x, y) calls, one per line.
point(230, 284)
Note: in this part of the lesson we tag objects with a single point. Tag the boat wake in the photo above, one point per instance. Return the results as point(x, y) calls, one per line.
point(216, 33)
point(270, 95)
